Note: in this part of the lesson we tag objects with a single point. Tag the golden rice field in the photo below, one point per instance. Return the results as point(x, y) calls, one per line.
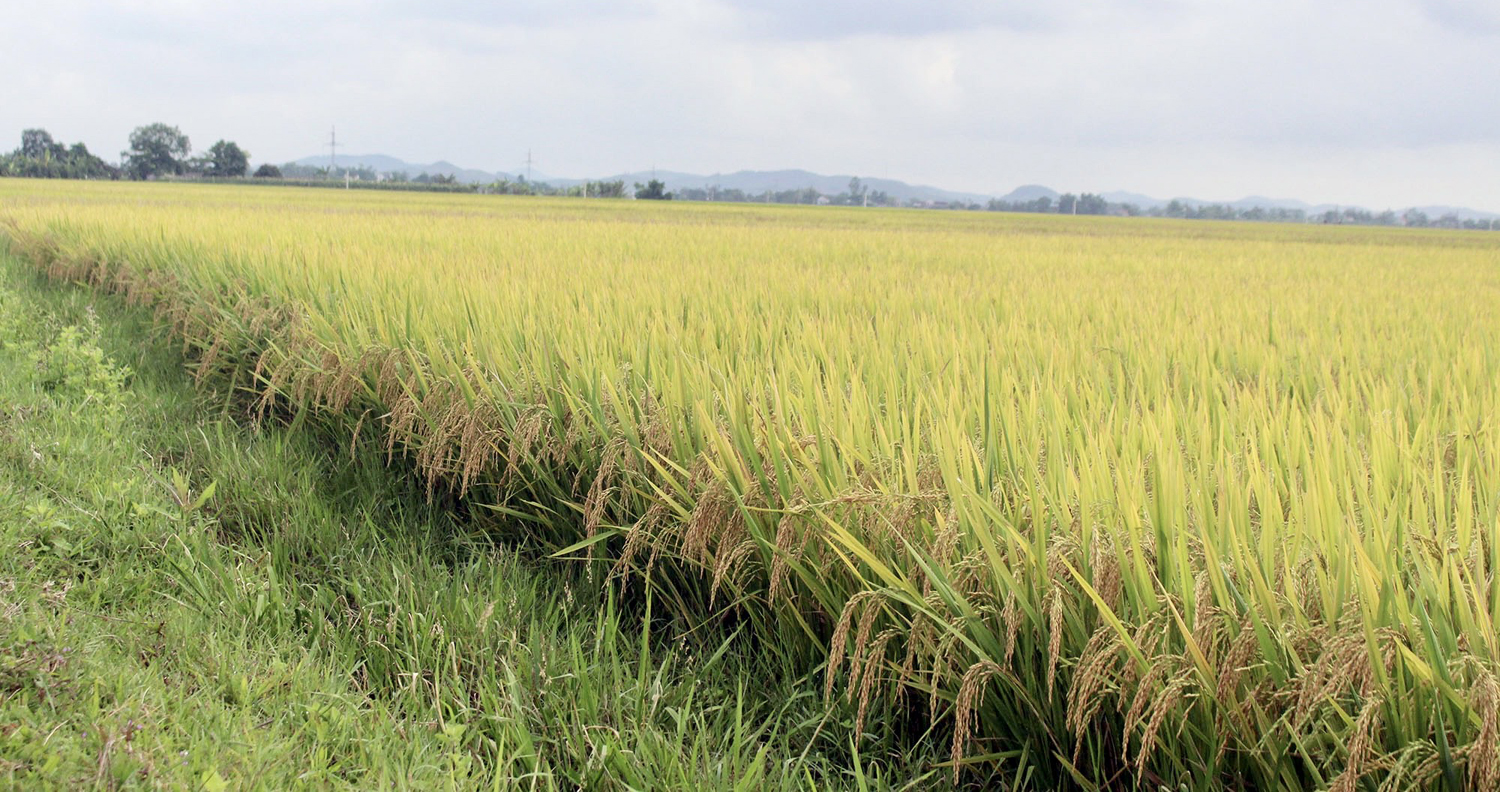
point(1168, 504)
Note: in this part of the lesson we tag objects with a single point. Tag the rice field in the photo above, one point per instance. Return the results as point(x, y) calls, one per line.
point(1130, 503)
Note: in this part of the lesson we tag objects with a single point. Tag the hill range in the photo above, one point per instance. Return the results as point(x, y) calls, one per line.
point(757, 182)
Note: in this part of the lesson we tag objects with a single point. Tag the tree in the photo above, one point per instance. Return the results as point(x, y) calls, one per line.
point(1415, 218)
point(606, 189)
point(292, 170)
point(80, 163)
point(1092, 204)
point(227, 160)
point(856, 192)
point(38, 144)
point(155, 150)
point(42, 157)
point(268, 171)
point(654, 190)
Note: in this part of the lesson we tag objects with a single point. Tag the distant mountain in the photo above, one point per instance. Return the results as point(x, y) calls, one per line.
point(752, 182)
point(382, 163)
point(1254, 201)
point(1248, 202)
point(1259, 201)
point(1029, 192)
point(759, 182)
point(1122, 197)
point(1462, 212)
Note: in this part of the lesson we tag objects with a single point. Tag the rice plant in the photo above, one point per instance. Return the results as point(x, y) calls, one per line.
point(1128, 503)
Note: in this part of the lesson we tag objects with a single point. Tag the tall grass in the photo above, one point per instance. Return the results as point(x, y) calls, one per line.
point(1136, 503)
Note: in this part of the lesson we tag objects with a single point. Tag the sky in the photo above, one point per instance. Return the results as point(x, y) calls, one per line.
point(1381, 103)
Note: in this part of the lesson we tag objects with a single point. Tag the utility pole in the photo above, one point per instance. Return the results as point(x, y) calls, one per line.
point(528, 165)
point(333, 144)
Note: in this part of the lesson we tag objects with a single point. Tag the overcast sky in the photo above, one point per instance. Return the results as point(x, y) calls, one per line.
point(1378, 102)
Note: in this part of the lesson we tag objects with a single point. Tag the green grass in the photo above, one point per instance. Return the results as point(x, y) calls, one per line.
point(187, 602)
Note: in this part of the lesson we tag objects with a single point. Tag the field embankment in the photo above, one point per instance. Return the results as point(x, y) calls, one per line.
point(1184, 504)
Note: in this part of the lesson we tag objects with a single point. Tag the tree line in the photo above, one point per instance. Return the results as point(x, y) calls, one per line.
point(857, 194)
point(163, 151)
point(1089, 204)
point(366, 177)
point(156, 150)
point(1411, 218)
point(1093, 204)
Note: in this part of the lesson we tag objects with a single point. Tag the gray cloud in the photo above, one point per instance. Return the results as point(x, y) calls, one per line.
point(1380, 102)
point(1468, 16)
